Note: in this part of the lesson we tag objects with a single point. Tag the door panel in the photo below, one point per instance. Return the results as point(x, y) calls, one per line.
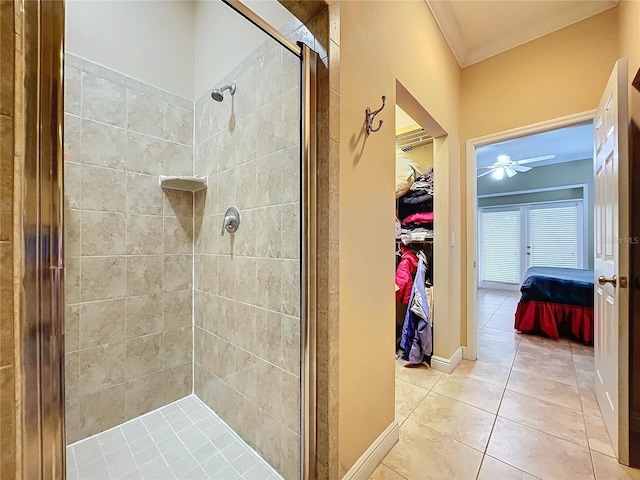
point(612, 258)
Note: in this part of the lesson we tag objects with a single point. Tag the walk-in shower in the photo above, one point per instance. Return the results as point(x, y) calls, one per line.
point(184, 347)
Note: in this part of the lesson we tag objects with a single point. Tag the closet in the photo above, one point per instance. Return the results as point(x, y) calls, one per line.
point(414, 246)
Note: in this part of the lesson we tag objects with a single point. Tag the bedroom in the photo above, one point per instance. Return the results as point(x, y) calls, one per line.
point(535, 209)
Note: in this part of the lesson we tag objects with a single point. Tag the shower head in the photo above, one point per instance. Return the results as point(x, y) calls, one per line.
point(217, 93)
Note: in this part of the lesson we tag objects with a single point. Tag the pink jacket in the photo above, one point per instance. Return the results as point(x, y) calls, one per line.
point(422, 217)
point(404, 275)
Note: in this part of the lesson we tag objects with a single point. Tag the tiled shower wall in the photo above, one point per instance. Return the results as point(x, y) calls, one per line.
point(247, 286)
point(129, 248)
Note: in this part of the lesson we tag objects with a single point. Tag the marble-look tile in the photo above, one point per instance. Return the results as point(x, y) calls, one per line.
point(487, 354)
point(143, 395)
point(177, 272)
point(469, 390)
point(545, 389)
point(502, 322)
point(144, 274)
point(290, 344)
point(547, 417)
point(103, 189)
point(552, 356)
point(538, 341)
point(493, 469)
point(145, 154)
point(608, 468)
point(145, 113)
point(177, 381)
point(72, 185)
point(72, 232)
point(101, 367)
point(408, 456)
point(103, 100)
point(269, 384)
point(144, 315)
point(177, 346)
point(589, 402)
point(101, 410)
point(72, 139)
point(524, 447)
point(176, 203)
point(408, 397)
point(422, 377)
point(177, 159)
point(177, 309)
point(485, 372)
point(541, 368)
point(598, 435)
point(103, 145)
point(178, 124)
point(178, 235)
point(455, 419)
point(103, 233)
point(101, 323)
point(72, 374)
point(144, 195)
point(145, 235)
point(72, 327)
point(102, 278)
point(144, 355)
point(290, 404)
point(72, 85)
point(382, 472)
point(290, 303)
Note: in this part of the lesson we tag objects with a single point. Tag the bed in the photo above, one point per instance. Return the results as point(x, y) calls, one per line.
point(555, 302)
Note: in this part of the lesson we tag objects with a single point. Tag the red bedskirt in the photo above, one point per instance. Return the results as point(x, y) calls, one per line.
point(555, 319)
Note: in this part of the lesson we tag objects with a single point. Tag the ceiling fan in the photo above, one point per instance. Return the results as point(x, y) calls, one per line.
point(505, 165)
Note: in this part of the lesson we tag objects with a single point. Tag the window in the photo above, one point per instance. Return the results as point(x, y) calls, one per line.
point(514, 238)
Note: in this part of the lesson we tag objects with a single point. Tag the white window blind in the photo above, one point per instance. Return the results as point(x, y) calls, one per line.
point(501, 246)
point(554, 236)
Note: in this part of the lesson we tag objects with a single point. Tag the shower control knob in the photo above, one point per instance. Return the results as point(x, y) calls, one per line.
point(231, 221)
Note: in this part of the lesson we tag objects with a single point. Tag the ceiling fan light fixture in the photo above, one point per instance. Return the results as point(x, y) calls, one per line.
point(498, 173)
point(503, 158)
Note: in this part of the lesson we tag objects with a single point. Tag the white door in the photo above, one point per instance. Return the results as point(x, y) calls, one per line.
point(612, 258)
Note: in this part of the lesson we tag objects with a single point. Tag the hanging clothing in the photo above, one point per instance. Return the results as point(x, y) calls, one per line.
point(405, 273)
point(417, 340)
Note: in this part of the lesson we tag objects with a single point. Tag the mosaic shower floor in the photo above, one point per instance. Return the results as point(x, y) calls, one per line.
point(182, 440)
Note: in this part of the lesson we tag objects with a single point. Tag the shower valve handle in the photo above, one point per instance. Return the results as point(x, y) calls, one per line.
point(231, 221)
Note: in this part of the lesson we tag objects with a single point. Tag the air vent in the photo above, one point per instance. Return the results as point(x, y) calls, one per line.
point(413, 139)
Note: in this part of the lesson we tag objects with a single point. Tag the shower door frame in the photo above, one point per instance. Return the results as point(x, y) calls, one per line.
point(40, 422)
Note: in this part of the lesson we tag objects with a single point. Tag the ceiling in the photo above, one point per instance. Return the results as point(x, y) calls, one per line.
point(479, 29)
point(567, 144)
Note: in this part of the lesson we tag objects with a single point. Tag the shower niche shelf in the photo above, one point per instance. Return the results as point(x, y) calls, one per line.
point(186, 183)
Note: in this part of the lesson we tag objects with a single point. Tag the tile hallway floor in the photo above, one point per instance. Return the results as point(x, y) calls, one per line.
point(182, 440)
point(525, 410)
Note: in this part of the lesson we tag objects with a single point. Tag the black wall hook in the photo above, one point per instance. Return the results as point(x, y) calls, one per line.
point(370, 116)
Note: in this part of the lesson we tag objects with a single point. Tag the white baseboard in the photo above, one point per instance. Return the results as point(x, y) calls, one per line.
point(466, 354)
point(371, 458)
point(447, 365)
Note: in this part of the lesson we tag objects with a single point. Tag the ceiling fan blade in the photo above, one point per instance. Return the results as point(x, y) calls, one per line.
point(510, 172)
point(535, 159)
point(521, 168)
point(485, 173)
point(490, 166)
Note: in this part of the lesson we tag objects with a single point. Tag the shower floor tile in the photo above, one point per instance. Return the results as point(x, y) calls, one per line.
point(182, 440)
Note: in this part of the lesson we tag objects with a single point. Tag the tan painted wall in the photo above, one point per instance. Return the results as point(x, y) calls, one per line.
point(554, 76)
point(370, 63)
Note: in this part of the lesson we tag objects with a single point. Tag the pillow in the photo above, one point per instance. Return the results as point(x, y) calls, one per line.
point(406, 173)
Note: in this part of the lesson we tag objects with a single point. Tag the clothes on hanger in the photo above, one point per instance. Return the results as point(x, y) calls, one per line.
point(417, 335)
